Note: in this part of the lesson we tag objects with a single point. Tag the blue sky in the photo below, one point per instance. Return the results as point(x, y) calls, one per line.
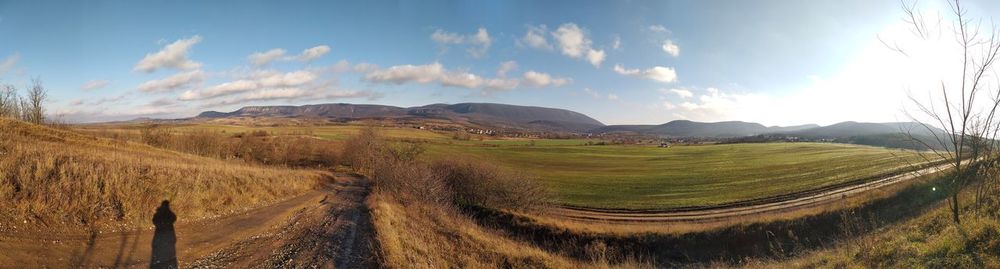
point(621, 62)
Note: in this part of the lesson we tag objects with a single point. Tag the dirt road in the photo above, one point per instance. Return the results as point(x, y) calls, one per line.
point(784, 203)
point(326, 228)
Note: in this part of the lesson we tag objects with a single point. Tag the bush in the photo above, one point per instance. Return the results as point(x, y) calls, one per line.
point(483, 184)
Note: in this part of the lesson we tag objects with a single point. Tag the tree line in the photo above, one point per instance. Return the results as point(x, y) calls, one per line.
point(28, 106)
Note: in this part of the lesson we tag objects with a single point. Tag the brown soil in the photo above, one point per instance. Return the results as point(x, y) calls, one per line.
point(327, 228)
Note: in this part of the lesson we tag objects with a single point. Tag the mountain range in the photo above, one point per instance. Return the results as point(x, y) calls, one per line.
point(542, 119)
point(476, 114)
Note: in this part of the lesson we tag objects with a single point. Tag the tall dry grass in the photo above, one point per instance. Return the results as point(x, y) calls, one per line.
point(259, 147)
point(930, 240)
point(57, 178)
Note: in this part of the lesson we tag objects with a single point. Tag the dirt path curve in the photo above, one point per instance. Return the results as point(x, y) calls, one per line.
point(325, 228)
point(727, 212)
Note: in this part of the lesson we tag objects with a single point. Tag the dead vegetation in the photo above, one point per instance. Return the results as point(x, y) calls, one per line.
point(53, 178)
point(257, 147)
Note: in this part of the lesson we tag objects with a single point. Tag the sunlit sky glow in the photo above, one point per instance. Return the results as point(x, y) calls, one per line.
point(621, 62)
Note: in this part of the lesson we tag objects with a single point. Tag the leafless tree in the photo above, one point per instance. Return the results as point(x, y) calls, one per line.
point(9, 107)
point(32, 106)
point(965, 109)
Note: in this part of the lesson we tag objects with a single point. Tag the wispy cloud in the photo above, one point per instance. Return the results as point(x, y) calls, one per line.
point(539, 79)
point(313, 53)
point(258, 81)
point(265, 58)
point(174, 55)
point(8, 63)
point(175, 82)
point(535, 38)
point(478, 43)
point(657, 73)
point(95, 84)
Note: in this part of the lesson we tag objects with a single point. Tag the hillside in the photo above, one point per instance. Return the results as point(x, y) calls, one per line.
point(686, 128)
point(53, 177)
point(479, 114)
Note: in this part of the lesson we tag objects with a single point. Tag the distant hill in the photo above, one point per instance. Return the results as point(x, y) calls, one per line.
point(850, 128)
point(686, 128)
point(892, 134)
point(481, 114)
point(542, 119)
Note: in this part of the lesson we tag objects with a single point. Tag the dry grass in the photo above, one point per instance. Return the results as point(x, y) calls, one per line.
point(55, 178)
point(420, 235)
point(255, 146)
point(928, 241)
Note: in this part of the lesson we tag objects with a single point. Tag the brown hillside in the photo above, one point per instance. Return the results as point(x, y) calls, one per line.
point(58, 178)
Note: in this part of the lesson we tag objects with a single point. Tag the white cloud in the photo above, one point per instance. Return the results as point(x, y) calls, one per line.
point(461, 79)
point(667, 105)
point(573, 42)
point(616, 43)
point(671, 49)
point(599, 96)
point(313, 53)
point(174, 56)
point(498, 84)
point(293, 94)
point(657, 73)
point(436, 73)
point(8, 63)
point(478, 42)
point(682, 93)
point(658, 28)
point(94, 84)
point(535, 37)
point(346, 66)
point(223, 89)
point(400, 74)
point(506, 67)
point(174, 82)
point(620, 69)
point(265, 58)
point(258, 81)
point(595, 57)
point(103, 100)
point(538, 79)
point(278, 79)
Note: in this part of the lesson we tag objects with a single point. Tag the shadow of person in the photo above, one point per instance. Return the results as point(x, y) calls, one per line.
point(164, 254)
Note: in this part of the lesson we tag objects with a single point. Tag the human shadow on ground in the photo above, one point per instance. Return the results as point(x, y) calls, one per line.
point(164, 253)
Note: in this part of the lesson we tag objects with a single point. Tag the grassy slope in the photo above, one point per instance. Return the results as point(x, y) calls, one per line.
point(52, 177)
point(650, 177)
point(423, 236)
point(928, 241)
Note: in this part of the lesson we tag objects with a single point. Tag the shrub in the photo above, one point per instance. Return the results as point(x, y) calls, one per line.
point(483, 184)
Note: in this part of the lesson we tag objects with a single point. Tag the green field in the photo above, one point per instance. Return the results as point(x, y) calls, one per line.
point(644, 177)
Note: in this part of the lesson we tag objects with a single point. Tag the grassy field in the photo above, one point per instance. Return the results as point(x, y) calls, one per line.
point(642, 177)
point(650, 177)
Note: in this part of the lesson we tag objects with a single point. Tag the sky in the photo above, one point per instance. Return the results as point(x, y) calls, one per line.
point(620, 62)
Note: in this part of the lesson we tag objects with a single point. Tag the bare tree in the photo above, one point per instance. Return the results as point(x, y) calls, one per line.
point(32, 105)
point(965, 109)
point(9, 107)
